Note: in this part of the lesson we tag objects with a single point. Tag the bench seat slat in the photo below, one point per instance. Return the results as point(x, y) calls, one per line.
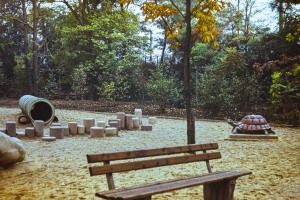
point(93, 158)
point(167, 186)
point(144, 164)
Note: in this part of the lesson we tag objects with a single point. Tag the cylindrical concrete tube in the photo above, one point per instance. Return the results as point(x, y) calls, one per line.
point(129, 122)
point(136, 123)
point(114, 124)
point(66, 130)
point(73, 127)
point(121, 116)
point(88, 123)
point(49, 138)
point(152, 120)
point(101, 124)
point(146, 128)
point(119, 124)
point(97, 131)
point(56, 124)
point(112, 131)
point(39, 128)
point(29, 132)
point(116, 121)
point(138, 114)
point(11, 128)
point(80, 129)
point(56, 131)
point(37, 108)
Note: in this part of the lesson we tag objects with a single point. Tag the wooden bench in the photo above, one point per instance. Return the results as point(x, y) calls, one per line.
point(216, 185)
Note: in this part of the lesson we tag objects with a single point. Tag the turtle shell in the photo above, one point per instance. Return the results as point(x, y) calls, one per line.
point(253, 123)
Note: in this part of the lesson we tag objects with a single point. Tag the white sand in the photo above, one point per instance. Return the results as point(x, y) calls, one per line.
point(58, 170)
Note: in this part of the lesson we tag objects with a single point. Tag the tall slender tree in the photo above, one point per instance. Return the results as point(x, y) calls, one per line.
point(282, 6)
point(187, 22)
point(35, 47)
point(26, 46)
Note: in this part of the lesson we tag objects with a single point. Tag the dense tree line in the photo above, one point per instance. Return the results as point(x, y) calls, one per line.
point(101, 50)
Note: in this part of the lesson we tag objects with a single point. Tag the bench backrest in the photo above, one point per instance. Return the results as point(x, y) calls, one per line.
point(190, 155)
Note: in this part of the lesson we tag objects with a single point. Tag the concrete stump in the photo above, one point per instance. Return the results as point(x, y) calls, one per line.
point(49, 138)
point(20, 134)
point(11, 128)
point(39, 128)
point(114, 124)
point(112, 131)
point(119, 126)
point(101, 124)
point(136, 123)
point(72, 128)
point(80, 129)
point(29, 132)
point(56, 124)
point(152, 120)
point(56, 131)
point(66, 130)
point(97, 131)
point(146, 128)
point(121, 116)
point(128, 122)
point(88, 123)
point(138, 114)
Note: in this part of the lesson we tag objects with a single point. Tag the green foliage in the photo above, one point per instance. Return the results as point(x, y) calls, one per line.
point(20, 74)
point(226, 87)
point(2, 82)
point(50, 87)
point(95, 49)
point(107, 91)
point(285, 90)
point(202, 53)
point(163, 90)
point(106, 49)
point(212, 95)
point(79, 82)
point(233, 62)
point(294, 35)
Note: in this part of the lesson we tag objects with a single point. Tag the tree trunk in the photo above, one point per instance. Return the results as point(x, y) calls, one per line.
point(187, 77)
point(247, 16)
point(281, 16)
point(26, 47)
point(238, 26)
point(35, 48)
point(163, 49)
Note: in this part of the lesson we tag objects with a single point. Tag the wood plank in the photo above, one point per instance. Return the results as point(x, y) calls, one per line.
point(144, 164)
point(109, 178)
point(93, 158)
point(167, 186)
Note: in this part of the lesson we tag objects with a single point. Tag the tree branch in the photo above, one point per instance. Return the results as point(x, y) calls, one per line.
point(73, 11)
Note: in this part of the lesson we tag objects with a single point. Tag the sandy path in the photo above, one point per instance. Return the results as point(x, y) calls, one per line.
point(58, 170)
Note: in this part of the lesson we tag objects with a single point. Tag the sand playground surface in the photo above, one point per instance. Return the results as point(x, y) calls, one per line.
point(59, 169)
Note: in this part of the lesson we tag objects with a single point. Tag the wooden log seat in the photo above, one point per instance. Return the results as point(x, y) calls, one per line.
point(216, 185)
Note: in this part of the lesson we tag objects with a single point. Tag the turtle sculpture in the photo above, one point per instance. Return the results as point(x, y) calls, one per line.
point(251, 124)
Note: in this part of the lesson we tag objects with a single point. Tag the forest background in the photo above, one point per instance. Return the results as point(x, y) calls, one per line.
point(104, 50)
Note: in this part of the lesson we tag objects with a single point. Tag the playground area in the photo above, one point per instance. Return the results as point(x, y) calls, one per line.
point(59, 169)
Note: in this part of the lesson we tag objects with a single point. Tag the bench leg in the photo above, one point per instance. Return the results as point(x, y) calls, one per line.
point(222, 190)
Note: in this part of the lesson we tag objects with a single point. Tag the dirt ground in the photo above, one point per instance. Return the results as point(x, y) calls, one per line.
point(59, 170)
